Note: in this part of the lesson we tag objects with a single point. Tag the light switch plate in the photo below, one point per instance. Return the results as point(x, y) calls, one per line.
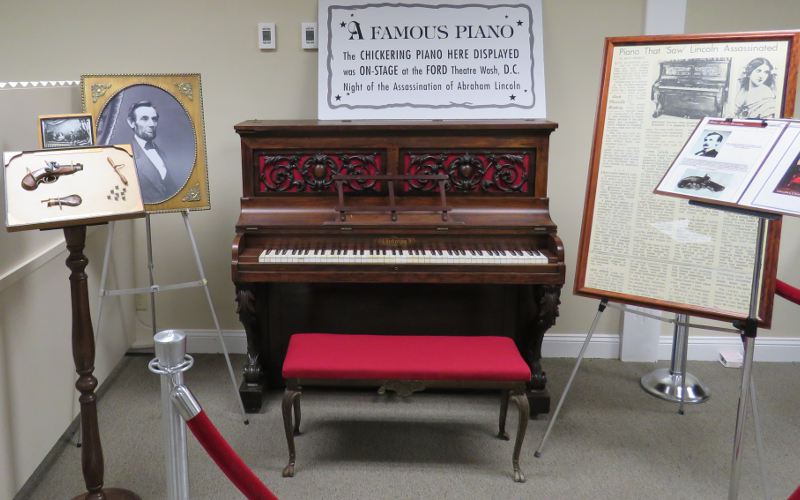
point(266, 36)
point(308, 35)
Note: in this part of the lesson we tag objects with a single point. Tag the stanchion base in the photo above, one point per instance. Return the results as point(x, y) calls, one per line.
point(663, 384)
point(113, 494)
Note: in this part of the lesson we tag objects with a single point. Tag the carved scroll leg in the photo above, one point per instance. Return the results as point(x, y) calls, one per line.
point(521, 401)
point(289, 398)
point(545, 300)
point(252, 388)
point(297, 416)
point(502, 434)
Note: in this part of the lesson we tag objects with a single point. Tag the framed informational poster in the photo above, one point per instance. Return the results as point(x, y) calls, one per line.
point(640, 248)
point(161, 117)
point(430, 59)
point(72, 186)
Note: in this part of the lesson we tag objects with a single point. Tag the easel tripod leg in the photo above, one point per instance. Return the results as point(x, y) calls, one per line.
point(202, 273)
point(551, 423)
point(733, 490)
point(759, 439)
point(150, 270)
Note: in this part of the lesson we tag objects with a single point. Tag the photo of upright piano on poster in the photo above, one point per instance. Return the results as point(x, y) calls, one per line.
point(749, 164)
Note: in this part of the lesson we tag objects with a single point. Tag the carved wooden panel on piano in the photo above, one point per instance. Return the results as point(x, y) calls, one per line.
point(471, 171)
point(494, 265)
point(313, 172)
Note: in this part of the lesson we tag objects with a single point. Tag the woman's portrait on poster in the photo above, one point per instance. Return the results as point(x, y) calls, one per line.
point(757, 96)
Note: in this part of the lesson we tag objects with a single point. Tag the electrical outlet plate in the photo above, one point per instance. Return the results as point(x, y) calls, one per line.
point(730, 358)
point(141, 301)
point(308, 35)
point(266, 36)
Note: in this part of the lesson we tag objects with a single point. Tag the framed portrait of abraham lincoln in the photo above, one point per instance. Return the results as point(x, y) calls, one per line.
point(161, 117)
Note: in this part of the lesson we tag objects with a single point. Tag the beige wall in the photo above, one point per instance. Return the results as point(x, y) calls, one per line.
point(62, 40)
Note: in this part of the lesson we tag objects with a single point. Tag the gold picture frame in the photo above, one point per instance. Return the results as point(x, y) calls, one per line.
point(66, 130)
point(161, 117)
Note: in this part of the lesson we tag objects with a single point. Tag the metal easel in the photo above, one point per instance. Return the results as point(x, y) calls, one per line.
point(747, 330)
point(154, 288)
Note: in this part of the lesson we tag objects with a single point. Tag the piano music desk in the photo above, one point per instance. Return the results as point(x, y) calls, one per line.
point(405, 364)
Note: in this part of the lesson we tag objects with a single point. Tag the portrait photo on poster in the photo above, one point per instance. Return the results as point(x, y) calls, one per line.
point(790, 182)
point(757, 96)
point(160, 116)
point(711, 143)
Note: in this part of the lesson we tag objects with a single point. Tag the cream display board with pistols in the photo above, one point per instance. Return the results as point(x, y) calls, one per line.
point(59, 187)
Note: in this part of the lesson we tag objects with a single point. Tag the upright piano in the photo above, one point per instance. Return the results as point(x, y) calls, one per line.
point(394, 227)
point(692, 88)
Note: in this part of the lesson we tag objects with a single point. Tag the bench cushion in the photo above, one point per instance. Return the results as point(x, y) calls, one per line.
point(401, 357)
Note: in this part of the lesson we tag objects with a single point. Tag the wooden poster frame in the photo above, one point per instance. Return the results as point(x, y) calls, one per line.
point(792, 39)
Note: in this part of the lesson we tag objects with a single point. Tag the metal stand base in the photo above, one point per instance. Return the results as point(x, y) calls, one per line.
point(664, 384)
point(113, 494)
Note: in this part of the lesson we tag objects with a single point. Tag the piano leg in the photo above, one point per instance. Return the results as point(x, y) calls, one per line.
point(542, 302)
point(252, 389)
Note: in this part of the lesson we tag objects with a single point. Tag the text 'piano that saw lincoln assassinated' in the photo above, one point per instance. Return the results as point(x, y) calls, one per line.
point(394, 227)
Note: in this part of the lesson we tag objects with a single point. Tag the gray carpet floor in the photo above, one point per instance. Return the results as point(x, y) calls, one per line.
point(612, 440)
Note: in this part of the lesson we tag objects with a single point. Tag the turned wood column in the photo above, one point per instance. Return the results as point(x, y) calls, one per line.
point(83, 355)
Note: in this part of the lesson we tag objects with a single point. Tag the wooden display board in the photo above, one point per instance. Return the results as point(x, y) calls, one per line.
point(653, 251)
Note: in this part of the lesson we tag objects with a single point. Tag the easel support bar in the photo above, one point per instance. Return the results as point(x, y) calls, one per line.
point(155, 288)
point(624, 308)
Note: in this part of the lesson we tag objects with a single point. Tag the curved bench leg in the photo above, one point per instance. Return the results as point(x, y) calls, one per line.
point(521, 401)
point(502, 434)
point(290, 399)
point(297, 415)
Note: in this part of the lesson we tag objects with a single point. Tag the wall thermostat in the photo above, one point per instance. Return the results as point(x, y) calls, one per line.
point(308, 35)
point(266, 35)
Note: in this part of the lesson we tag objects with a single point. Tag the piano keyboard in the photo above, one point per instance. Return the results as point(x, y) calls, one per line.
point(401, 256)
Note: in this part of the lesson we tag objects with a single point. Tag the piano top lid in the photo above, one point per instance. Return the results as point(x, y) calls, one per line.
point(349, 126)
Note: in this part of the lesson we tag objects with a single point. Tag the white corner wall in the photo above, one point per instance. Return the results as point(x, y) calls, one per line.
point(38, 399)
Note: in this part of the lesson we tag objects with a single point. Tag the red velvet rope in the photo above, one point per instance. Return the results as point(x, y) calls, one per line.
point(227, 459)
point(787, 291)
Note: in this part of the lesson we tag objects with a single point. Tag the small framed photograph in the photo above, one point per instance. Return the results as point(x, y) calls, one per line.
point(66, 131)
point(161, 117)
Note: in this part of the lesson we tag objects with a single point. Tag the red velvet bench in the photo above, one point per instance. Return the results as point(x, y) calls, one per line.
point(405, 364)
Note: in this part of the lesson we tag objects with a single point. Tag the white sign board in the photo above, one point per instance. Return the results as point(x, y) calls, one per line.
point(430, 59)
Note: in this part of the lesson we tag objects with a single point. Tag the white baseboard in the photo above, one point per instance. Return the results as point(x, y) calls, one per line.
point(567, 345)
point(207, 341)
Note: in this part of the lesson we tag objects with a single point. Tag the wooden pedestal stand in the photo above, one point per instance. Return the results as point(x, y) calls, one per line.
point(83, 354)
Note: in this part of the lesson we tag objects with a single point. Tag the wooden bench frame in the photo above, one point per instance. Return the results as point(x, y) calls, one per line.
point(510, 390)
